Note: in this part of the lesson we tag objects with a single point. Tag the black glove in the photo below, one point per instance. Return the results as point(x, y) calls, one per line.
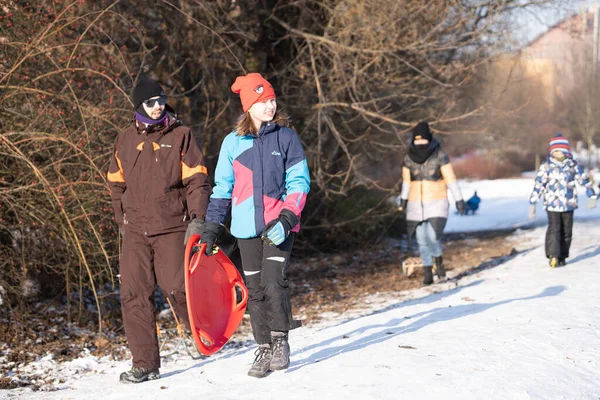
point(195, 226)
point(460, 207)
point(402, 206)
point(209, 234)
point(278, 230)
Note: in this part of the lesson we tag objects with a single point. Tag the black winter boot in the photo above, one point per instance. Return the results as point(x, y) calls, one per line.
point(562, 262)
point(138, 375)
point(438, 267)
point(262, 362)
point(427, 276)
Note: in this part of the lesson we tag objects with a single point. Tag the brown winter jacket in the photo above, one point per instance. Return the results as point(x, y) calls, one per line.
point(158, 179)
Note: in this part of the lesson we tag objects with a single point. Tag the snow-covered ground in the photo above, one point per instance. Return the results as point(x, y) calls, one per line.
point(516, 331)
point(504, 205)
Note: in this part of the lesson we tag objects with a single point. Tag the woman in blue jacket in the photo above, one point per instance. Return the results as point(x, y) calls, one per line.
point(262, 174)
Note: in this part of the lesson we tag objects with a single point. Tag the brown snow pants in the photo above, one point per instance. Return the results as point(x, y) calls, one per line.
point(146, 261)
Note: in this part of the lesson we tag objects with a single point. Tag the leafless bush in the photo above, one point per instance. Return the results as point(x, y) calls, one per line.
point(365, 72)
point(354, 75)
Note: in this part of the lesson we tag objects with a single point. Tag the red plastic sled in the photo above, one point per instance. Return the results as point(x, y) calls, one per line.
point(212, 284)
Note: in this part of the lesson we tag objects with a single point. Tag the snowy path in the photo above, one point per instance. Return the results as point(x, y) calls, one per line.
point(518, 331)
point(505, 205)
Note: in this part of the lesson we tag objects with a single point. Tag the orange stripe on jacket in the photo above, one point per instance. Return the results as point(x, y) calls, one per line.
point(116, 176)
point(155, 146)
point(187, 172)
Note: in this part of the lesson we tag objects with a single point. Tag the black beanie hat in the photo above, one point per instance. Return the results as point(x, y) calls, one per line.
point(421, 131)
point(146, 89)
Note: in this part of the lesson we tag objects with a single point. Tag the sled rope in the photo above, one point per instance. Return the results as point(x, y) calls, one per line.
point(181, 335)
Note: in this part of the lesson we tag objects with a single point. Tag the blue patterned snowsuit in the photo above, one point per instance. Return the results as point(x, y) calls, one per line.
point(555, 183)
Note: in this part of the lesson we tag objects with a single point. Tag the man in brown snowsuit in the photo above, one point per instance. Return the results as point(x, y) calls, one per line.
point(160, 191)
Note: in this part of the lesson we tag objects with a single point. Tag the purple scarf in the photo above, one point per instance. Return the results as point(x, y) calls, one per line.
point(149, 121)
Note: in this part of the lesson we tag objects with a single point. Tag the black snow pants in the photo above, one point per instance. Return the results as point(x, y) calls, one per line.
point(269, 303)
point(559, 234)
point(146, 261)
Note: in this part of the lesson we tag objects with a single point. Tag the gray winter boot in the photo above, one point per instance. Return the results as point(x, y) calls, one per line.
point(262, 362)
point(438, 267)
point(427, 276)
point(281, 351)
point(138, 375)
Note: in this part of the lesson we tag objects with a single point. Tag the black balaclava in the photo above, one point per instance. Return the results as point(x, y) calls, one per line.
point(422, 131)
point(421, 153)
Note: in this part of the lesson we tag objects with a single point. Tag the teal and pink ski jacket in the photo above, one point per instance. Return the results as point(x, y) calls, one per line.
point(257, 176)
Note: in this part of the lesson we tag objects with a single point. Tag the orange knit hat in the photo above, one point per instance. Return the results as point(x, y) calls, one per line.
point(252, 88)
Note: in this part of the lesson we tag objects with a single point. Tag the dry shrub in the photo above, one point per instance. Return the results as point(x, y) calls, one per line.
point(353, 75)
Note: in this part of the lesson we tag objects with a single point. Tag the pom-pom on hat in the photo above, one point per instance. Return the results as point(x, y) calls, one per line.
point(252, 88)
point(559, 142)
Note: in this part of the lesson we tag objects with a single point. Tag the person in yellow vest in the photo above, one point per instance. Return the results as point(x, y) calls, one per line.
point(426, 176)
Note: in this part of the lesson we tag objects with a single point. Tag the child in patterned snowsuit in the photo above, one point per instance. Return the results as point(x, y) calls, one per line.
point(555, 183)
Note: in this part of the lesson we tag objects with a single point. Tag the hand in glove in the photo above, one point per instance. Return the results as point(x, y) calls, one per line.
point(532, 211)
point(209, 234)
point(460, 207)
point(592, 202)
point(402, 206)
point(279, 229)
point(195, 226)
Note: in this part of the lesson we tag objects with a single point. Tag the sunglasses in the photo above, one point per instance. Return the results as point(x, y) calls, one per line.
point(162, 100)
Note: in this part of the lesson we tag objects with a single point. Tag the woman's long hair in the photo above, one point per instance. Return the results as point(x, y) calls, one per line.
point(245, 126)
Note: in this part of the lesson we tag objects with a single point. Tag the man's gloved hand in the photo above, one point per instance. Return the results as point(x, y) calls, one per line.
point(592, 202)
point(209, 234)
point(121, 230)
point(278, 230)
point(532, 211)
point(402, 206)
point(460, 207)
point(195, 226)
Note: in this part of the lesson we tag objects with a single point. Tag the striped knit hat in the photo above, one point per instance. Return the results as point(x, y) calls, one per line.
point(559, 142)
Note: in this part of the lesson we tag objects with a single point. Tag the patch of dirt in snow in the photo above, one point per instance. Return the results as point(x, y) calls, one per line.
point(44, 334)
point(322, 287)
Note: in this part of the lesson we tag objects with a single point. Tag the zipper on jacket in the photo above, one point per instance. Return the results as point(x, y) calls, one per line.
point(262, 176)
